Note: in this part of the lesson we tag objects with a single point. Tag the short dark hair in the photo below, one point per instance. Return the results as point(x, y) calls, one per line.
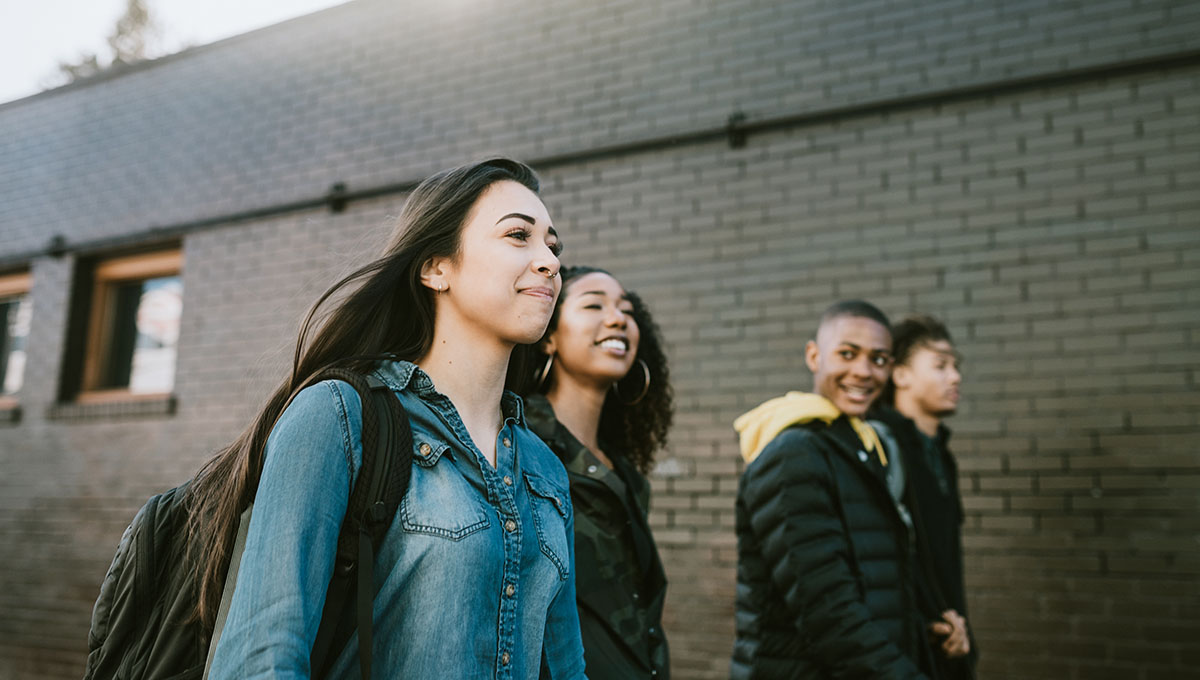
point(908, 336)
point(856, 308)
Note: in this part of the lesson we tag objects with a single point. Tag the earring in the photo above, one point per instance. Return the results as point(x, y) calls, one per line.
point(545, 371)
point(645, 387)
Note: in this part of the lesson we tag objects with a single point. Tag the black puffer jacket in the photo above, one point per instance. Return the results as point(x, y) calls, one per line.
point(823, 564)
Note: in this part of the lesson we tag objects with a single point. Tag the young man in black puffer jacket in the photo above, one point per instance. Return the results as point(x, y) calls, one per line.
point(824, 544)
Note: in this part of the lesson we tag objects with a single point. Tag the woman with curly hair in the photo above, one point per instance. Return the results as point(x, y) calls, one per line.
point(602, 402)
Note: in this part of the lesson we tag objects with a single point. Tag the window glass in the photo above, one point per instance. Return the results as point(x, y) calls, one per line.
point(145, 332)
point(133, 332)
point(15, 314)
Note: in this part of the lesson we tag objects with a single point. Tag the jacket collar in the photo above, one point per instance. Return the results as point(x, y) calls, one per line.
point(889, 414)
point(543, 422)
point(845, 443)
point(574, 455)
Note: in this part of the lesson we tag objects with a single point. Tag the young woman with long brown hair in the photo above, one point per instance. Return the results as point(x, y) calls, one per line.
point(474, 577)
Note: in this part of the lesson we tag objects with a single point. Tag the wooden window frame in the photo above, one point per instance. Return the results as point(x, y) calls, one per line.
point(11, 285)
point(19, 283)
point(106, 275)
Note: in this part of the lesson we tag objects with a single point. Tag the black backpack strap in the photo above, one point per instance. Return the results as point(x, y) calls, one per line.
point(382, 481)
point(146, 563)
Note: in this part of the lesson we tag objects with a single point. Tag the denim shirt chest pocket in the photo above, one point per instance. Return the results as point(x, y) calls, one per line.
point(440, 501)
point(551, 509)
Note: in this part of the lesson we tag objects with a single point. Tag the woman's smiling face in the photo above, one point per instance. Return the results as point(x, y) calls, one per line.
point(596, 339)
point(503, 282)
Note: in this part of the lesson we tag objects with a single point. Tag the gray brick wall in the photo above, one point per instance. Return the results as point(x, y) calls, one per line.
point(1076, 315)
point(377, 91)
point(1056, 229)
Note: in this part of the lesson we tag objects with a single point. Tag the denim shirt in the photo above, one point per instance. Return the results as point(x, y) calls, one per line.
point(475, 578)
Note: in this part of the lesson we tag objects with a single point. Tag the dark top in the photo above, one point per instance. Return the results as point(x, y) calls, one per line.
point(620, 583)
point(824, 558)
point(933, 494)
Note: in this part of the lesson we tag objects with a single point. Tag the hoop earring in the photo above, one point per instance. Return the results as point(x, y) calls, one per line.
point(545, 371)
point(645, 387)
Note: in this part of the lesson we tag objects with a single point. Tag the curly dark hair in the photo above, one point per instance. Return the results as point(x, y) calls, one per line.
point(907, 337)
point(637, 431)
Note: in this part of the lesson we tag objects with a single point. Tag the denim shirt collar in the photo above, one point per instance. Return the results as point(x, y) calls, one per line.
point(403, 375)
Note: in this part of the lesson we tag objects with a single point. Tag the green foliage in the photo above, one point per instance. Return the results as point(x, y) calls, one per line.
point(130, 42)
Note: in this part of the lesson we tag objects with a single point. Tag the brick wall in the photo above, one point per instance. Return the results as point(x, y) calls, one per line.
point(1057, 233)
point(376, 91)
point(1056, 228)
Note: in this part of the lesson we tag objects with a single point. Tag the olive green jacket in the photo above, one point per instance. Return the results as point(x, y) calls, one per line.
point(619, 580)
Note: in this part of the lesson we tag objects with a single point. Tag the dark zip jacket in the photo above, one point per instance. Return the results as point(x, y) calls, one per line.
point(936, 504)
point(824, 584)
point(619, 580)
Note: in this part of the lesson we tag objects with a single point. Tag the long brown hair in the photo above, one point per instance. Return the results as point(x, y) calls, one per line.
point(635, 431)
point(389, 313)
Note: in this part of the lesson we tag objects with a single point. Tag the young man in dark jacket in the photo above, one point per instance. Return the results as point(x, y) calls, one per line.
point(922, 392)
point(825, 547)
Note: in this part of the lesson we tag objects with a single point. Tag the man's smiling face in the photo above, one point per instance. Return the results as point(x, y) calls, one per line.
point(850, 360)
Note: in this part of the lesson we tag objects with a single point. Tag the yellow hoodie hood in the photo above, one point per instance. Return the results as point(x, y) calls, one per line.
point(757, 427)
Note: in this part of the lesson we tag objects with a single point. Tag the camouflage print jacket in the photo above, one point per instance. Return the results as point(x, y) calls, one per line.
point(619, 579)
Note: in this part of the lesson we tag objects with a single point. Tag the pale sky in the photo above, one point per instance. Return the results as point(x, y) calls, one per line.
point(36, 34)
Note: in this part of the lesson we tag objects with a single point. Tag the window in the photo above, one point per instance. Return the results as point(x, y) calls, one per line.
point(15, 313)
point(133, 327)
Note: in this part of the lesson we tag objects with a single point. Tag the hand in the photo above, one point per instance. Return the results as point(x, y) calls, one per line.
point(953, 628)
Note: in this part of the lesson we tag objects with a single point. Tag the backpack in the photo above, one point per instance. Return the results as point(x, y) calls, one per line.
point(143, 624)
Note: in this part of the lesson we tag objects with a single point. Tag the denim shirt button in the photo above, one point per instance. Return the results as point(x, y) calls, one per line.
point(510, 590)
point(507, 480)
point(425, 449)
point(510, 525)
point(507, 442)
point(504, 658)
